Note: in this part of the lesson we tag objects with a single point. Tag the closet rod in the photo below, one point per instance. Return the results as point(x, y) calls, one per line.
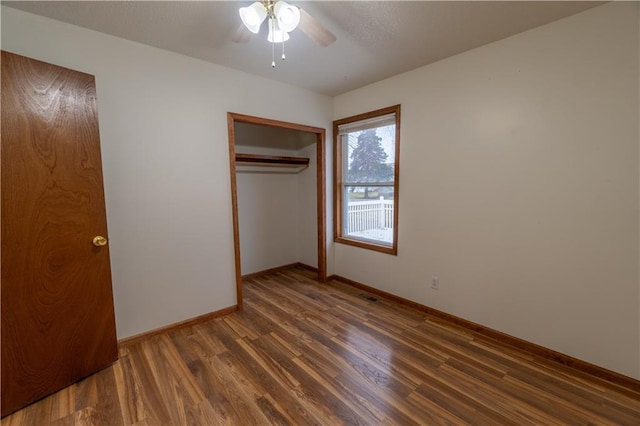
point(271, 160)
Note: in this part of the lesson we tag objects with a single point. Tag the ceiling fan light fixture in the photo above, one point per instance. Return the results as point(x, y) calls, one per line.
point(282, 18)
point(253, 16)
point(288, 16)
point(276, 35)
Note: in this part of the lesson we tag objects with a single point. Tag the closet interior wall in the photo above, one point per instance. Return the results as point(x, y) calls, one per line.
point(277, 206)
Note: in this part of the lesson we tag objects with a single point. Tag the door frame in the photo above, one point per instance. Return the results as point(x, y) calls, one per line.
point(320, 134)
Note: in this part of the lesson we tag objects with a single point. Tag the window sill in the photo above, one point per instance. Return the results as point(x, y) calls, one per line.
point(393, 250)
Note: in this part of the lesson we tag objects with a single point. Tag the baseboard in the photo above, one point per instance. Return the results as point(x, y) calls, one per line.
point(269, 271)
point(307, 267)
point(132, 340)
point(532, 348)
point(280, 268)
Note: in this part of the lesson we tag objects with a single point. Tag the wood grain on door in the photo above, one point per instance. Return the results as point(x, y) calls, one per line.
point(58, 322)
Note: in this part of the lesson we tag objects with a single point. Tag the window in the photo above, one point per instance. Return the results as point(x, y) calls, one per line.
point(366, 179)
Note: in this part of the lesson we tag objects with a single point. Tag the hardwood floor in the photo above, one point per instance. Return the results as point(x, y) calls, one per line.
point(309, 353)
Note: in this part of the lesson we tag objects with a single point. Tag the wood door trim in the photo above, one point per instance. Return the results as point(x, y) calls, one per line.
point(321, 206)
point(320, 133)
point(234, 209)
point(338, 187)
point(250, 119)
point(489, 333)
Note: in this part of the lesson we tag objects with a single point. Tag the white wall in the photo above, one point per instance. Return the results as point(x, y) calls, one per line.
point(519, 178)
point(519, 186)
point(277, 213)
point(308, 213)
point(268, 215)
point(166, 165)
point(276, 206)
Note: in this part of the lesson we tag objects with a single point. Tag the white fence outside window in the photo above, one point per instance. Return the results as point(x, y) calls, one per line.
point(372, 219)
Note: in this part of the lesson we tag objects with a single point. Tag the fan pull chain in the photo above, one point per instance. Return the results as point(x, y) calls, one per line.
point(273, 47)
point(283, 57)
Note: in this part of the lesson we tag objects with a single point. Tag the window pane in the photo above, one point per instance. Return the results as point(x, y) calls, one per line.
point(368, 213)
point(370, 155)
point(366, 155)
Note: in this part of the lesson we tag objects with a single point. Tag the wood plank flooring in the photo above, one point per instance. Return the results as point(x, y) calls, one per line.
point(325, 354)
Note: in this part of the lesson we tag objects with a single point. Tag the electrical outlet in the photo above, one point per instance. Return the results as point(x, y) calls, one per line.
point(435, 282)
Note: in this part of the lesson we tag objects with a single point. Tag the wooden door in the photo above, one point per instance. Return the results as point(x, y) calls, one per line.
point(58, 321)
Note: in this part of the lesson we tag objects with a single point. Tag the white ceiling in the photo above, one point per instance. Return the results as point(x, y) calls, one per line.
point(375, 39)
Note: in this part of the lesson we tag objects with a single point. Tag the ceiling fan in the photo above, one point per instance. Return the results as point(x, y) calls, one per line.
point(282, 18)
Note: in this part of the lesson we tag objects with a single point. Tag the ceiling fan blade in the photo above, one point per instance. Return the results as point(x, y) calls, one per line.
point(241, 35)
point(315, 30)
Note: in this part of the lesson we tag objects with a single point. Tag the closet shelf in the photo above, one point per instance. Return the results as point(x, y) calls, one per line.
point(270, 163)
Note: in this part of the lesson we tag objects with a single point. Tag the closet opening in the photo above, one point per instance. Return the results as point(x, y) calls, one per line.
point(277, 196)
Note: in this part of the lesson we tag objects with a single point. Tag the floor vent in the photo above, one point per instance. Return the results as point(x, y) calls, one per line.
point(369, 297)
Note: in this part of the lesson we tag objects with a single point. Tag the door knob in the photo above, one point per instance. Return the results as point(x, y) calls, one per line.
point(99, 241)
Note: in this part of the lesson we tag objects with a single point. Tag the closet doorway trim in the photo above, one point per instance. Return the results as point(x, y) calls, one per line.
point(233, 118)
